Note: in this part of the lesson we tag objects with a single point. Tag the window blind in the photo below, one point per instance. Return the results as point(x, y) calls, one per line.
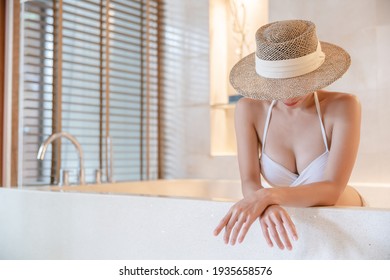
point(91, 69)
point(185, 86)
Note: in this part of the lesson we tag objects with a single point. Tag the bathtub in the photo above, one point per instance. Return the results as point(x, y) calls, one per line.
point(174, 219)
point(216, 190)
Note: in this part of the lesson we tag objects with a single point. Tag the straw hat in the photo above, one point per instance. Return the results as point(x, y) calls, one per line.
point(289, 61)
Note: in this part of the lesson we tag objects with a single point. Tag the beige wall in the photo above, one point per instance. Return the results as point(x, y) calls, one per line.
point(362, 27)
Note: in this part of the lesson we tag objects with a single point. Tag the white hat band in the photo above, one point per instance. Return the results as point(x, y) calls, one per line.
point(289, 68)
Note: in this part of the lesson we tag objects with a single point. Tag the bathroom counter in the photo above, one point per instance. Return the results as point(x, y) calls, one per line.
point(49, 224)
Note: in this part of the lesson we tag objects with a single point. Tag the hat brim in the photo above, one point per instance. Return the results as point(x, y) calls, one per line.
point(248, 83)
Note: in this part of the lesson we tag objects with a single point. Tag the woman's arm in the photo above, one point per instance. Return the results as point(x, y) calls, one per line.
point(247, 112)
point(247, 145)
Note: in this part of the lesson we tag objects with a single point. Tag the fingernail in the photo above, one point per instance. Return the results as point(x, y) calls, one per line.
point(295, 237)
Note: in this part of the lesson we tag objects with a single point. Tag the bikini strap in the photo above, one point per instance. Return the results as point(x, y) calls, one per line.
point(320, 118)
point(267, 124)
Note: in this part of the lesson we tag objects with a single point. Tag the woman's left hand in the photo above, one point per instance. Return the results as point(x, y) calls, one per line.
point(241, 216)
point(277, 225)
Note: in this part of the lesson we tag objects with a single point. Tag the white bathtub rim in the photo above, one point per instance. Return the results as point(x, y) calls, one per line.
point(101, 194)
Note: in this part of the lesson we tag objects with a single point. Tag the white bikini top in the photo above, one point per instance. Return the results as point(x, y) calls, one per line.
point(278, 175)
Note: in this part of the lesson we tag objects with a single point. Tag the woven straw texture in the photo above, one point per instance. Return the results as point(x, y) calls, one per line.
point(286, 40)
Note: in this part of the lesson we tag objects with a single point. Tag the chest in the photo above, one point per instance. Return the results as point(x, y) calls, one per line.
point(295, 142)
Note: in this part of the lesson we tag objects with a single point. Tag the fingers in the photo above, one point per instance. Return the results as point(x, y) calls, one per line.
point(282, 235)
point(240, 226)
point(245, 229)
point(222, 223)
point(237, 229)
point(239, 219)
point(278, 226)
point(236, 224)
point(290, 225)
point(264, 228)
point(231, 224)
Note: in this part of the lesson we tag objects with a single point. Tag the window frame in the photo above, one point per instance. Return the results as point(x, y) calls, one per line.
point(17, 100)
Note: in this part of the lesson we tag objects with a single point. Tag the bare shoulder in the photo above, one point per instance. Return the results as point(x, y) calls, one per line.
point(340, 105)
point(250, 109)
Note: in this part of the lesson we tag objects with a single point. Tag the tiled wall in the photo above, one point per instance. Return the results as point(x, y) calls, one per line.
point(362, 27)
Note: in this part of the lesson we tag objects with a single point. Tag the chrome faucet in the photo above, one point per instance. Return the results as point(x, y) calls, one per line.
point(51, 138)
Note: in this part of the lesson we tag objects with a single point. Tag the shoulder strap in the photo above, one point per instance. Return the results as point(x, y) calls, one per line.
point(267, 124)
point(320, 118)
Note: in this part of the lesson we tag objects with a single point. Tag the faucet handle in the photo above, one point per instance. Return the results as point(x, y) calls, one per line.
point(65, 177)
point(98, 176)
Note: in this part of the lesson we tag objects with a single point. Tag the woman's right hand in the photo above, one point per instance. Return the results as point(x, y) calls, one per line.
point(241, 216)
point(276, 223)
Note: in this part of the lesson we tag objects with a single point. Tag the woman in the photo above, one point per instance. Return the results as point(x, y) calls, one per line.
point(308, 138)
